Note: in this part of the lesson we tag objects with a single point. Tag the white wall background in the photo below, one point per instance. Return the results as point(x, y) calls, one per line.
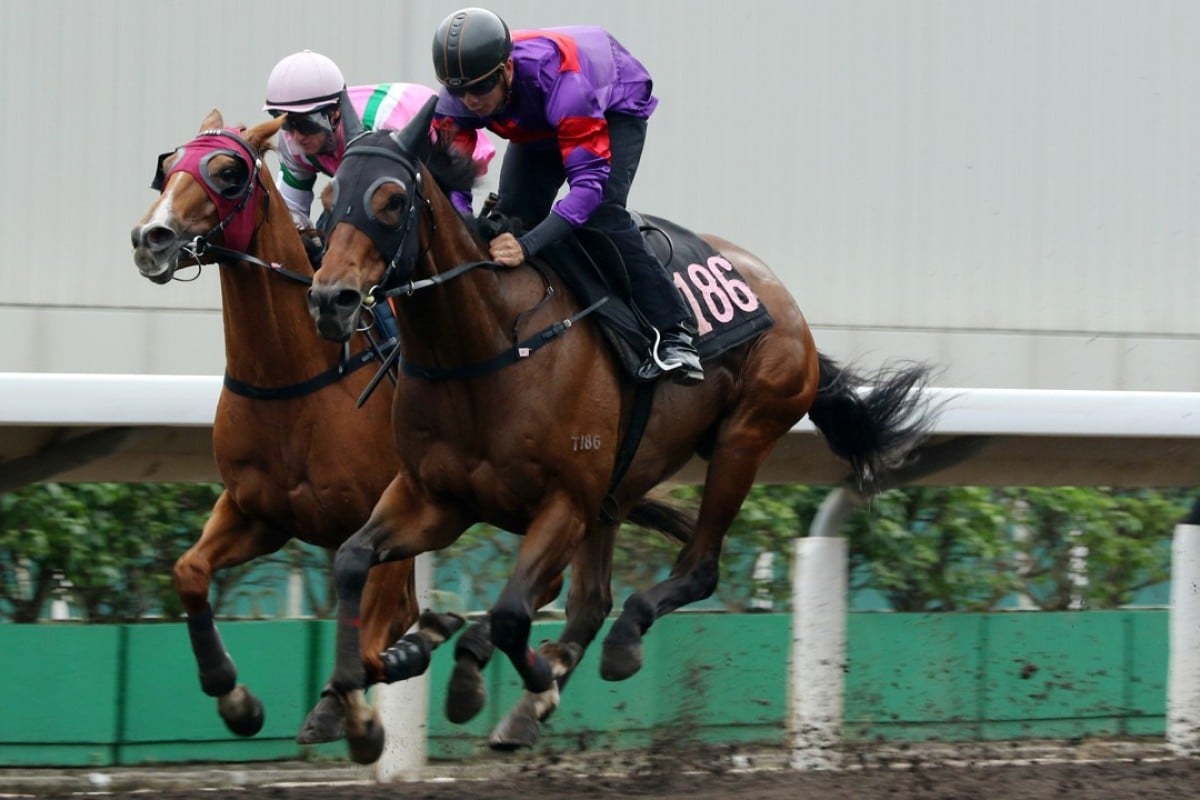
point(1007, 188)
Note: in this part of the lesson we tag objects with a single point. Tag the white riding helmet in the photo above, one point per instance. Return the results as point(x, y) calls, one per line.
point(303, 81)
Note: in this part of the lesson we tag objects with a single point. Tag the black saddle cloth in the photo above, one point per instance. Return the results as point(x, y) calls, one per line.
point(726, 310)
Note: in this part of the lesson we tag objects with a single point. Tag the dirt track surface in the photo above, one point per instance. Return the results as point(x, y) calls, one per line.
point(1144, 781)
point(716, 777)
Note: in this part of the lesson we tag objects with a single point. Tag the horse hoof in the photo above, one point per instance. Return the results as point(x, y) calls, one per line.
point(325, 723)
point(515, 731)
point(620, 661)
point(242, 711)
point(466, 695)
point(368, 747)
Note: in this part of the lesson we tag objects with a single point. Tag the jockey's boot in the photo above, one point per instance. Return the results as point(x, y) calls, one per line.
point(674, 354)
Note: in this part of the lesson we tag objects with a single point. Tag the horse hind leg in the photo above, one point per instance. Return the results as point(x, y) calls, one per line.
point(588, 605)
point(228, 539)
point(740, 451)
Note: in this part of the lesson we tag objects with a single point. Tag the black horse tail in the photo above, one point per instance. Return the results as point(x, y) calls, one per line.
point(673, 522)
point(875, 421)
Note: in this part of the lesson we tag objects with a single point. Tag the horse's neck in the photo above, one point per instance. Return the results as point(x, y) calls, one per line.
point(269, 336)
point(467, 319)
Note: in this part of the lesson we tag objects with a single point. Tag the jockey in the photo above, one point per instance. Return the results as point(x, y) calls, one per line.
point(323, 114)
point(573, 104)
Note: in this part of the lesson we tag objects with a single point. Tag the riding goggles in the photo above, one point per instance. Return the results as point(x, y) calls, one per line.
point(479, 86)
point(305, 124)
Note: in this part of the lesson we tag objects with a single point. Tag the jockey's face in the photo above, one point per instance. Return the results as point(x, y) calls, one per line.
point(492, 101)
point(310, 144)
point(313, 139)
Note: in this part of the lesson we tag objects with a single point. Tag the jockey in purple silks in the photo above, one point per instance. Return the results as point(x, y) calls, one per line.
point(574, 105)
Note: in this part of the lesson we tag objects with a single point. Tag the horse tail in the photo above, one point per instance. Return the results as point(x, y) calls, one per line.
point(671, 521)
point(874, 421)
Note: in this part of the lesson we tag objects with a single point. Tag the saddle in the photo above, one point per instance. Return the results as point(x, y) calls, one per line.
point(725, 309)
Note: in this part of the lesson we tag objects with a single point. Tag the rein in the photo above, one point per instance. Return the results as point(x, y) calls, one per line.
point(200, 247)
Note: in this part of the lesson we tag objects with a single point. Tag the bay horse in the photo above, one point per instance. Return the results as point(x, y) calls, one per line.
point(492, 427)
point(295, 458)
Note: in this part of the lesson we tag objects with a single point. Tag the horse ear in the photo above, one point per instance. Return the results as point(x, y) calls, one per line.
point(414, 137)
point(260, 134)
point(213, 121)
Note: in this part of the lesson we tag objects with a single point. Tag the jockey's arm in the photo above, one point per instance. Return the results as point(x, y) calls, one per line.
point(299, 202)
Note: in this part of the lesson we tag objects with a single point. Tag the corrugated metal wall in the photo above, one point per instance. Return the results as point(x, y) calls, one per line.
point(1007, 188)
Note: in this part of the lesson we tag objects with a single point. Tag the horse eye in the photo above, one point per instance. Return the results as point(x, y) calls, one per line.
point(230, 174)
point(388, 203)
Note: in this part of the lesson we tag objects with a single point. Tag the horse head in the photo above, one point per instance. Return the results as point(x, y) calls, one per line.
point(207, 189)
point(387, 183)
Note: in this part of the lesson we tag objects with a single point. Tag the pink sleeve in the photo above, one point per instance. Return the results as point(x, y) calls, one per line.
point(412, 99)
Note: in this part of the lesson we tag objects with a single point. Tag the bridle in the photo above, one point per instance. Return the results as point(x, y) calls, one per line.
point(358, 177)
point(237, 223)
point(230, 201)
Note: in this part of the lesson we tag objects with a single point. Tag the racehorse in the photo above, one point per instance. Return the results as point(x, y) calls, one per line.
point(492, 427)
point(295, 458)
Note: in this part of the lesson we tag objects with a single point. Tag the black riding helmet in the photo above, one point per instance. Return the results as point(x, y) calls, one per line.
point(469, 45)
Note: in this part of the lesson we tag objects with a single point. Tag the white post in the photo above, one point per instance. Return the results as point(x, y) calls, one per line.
point(295, 593)
point(1183, 664)
point(404, 708)
point(819, 585)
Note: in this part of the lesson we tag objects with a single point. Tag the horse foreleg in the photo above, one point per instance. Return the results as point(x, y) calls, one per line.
point(588, 605)
point(521, 725)
point(228, 539)
point(548, 547)
point(401, 527)
point(389, 608)
point(466, 694)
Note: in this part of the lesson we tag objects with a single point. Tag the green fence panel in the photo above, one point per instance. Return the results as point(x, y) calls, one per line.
point(706, 678)
point(103, 695)
point(63, 684)
point(1055, 675)
point(913, 676)
point(1147, 667)
point(167, 716)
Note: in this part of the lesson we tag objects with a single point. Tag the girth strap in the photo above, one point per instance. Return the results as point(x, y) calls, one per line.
point(643, 397)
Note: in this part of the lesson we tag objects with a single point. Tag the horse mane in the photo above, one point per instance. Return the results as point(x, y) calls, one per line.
point(451, 167)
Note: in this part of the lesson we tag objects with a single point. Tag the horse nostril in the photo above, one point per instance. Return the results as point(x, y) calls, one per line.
point(348, 299)
point(340, 302)
point(158, 237)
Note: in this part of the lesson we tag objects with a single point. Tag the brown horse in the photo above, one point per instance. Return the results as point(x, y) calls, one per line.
point(493, 428)
point(295, 457)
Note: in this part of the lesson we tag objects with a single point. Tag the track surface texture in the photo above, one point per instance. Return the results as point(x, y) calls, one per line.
point(998, 772)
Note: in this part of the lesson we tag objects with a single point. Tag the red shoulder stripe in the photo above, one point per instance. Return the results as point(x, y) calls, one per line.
point(567, 48)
